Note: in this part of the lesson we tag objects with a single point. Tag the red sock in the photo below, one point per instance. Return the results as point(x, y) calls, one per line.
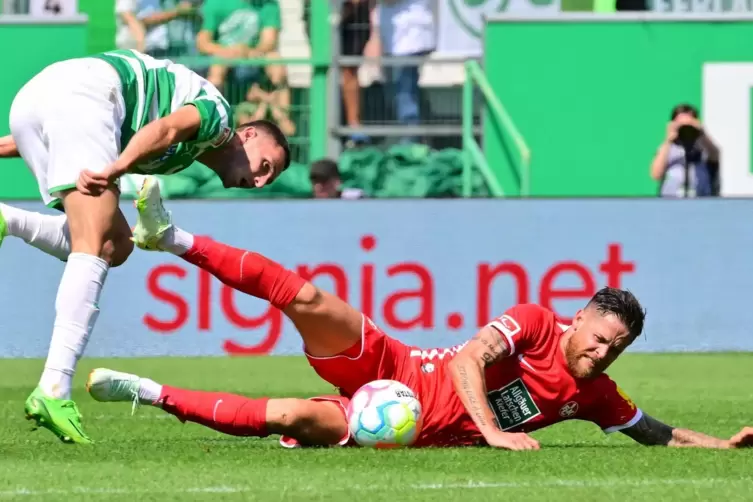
point(228, 413)
point(245, 271)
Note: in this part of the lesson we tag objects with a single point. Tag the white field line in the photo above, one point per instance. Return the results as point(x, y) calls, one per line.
point(552, 483)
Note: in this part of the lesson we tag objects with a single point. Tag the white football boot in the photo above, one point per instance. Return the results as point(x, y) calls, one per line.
point(110, 386)
point(153, 219)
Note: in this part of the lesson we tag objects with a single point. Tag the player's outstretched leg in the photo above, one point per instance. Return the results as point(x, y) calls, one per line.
point(315, 423)
point(45, 232)
point(328, 325)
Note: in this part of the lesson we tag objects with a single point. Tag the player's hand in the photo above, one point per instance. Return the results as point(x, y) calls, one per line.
point(91, 183)
point(511, 441)
point(743, 439)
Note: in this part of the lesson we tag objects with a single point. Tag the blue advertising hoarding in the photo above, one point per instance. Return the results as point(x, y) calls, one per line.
point(428, 273)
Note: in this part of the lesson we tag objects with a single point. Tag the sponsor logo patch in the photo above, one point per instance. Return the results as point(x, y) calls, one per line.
point(513, 405)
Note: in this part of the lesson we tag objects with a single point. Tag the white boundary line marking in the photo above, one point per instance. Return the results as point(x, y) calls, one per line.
point(566, 483)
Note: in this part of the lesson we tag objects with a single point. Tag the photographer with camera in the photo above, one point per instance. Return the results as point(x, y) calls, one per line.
point(687, 162)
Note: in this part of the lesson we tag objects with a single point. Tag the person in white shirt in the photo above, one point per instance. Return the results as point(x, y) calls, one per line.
point(405, 28)
point(142, 25)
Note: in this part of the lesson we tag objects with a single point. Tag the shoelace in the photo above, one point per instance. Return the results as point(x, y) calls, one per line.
point(125, 385)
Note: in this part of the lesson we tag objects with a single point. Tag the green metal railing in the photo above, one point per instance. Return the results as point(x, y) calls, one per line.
point(473, 156)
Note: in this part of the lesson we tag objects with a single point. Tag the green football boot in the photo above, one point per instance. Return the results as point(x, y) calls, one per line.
point(3, 228)
point(59, 416)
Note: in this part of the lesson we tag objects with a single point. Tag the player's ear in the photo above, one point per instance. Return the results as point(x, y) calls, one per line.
point(578, 319)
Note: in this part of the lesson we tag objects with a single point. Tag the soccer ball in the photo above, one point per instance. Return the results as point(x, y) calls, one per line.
point(384, 414)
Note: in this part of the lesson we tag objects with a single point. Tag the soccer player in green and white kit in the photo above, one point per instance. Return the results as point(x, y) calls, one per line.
point(81, 124)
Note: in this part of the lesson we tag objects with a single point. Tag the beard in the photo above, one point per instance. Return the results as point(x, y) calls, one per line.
point(578, 364)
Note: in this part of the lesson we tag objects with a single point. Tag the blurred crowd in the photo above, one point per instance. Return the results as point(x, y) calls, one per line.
point(686, 163)
point(252, 29)
point(233, 29)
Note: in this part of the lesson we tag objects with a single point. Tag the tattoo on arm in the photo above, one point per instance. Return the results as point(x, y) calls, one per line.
point(495, 345)
point(650, 432)
point(473, 401)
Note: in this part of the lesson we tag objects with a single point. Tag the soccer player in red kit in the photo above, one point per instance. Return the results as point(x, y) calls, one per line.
point(521, 372)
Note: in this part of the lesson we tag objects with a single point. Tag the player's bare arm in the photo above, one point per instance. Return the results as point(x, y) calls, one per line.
point(8, 149)
point(150, 141)
point(467, 371)
point(652, 432)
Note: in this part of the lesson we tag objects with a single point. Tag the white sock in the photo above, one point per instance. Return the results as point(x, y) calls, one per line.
point(45, 232)
point(76, 309)
point(177, 241)
point(149, 391)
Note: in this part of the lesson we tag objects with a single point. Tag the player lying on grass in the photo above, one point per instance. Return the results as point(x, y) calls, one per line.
point(521, 372)
point(81, 124)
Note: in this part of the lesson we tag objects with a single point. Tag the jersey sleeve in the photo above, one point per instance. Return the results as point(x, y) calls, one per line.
point(612, 409)
point(216, 119)
point(523, 326)
point(210, 16)
point(270, 16)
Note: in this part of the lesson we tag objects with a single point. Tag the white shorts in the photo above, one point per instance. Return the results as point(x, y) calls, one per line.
point(67, 119)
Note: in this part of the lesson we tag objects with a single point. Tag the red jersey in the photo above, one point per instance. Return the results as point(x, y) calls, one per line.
point(532, 387)
point(528, 390)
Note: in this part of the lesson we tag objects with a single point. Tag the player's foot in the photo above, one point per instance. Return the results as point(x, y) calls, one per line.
point(153, 219)
point(59, 416)
point(110, 386)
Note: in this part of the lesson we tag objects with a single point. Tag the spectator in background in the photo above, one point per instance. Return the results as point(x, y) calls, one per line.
point(182, 32)
point(405, 28)
point(687, 162)
point(327, 184)
point(261, 106)
point(355, 32)
point(240, 29)
point(141, 25)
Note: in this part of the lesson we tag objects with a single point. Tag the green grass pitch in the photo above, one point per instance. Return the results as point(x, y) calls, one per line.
point(151, 456)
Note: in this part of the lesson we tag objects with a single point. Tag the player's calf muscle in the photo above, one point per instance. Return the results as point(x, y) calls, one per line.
point(310, 422)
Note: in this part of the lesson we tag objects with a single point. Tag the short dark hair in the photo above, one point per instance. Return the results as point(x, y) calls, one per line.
point(624, 305)
point(270, 128)
point(324, 170)
point(683, 108)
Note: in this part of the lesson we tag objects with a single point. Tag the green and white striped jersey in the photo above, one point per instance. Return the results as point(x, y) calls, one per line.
point(154, 88)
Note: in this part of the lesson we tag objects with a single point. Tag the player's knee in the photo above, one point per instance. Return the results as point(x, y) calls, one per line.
point(117, 250)
point(311, 422)
point(300, 417)
point(118, 245)
point(309, 298)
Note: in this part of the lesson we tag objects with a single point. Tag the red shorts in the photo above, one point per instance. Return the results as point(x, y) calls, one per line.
point(378, 357)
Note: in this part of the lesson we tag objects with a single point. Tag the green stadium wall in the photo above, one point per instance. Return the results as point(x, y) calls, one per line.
point(591, 94)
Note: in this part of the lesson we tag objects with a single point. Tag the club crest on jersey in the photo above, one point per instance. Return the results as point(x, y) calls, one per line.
point(569, 410)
